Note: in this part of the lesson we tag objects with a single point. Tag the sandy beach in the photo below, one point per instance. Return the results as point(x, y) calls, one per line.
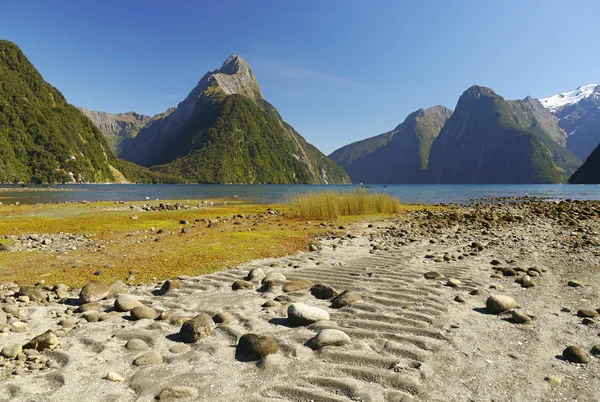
point(413, 327)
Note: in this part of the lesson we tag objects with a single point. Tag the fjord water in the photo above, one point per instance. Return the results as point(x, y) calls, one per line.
point(265, 194)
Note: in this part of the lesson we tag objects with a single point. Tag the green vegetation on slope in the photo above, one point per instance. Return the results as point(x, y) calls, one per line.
point(44, 139)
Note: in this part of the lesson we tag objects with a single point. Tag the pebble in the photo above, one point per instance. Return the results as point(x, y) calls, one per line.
point(141, 312)
point(587, 312)
point(346, 298)
point(223, 317)
point(453, 283)
point(328, 337)
point(152, 357)
point(93, 292)
point(302, 314)
point(296, 285)
point(520, 318)
point(499, 303)
point(271, 303)
point(169, 285)
point(459, 299)
point(179, 348)
point(432, 275)
point(574, 284)
point(274, 276)
point(136, 344)
point(575, 354)
point(323, 291)
point(255, 274)
point(11, 351)
point(197, 328)
point(241, 284)
point(178, 392)
point(595, 350)
point(47, 340)
point(126, 303)
point(552, 380)
point(255, 347)
point(114, 377)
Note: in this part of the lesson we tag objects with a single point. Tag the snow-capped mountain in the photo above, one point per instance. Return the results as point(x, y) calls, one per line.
point(559, 101)
point(578, 112)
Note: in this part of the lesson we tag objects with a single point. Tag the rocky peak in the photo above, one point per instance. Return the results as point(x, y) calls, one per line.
point(477, 91)
point(236, 77)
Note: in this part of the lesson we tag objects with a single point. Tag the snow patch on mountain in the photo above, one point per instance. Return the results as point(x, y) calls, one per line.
point(561, 100)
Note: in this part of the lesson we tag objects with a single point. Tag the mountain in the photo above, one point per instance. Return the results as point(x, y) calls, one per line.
point(398, 156)
point(578, 112)
point(225, 132)
point(44, 139)
point(117, 127)
point(491, 140)
point(589, 172)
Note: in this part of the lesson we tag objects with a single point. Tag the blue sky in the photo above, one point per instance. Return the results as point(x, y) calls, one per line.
point(337, 70)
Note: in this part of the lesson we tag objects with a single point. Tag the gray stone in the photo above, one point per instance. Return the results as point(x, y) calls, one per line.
point(346, 298)
point(296, 285)
point(323, 291)
point(255, 274)
point(136, 344)
point(11, 351)
point(126, 303)
point(520, 318)
point(152, 357)
point(224, 317)
point(169, 285)
point(93, 292)
point(47, 340)
point(197, 328)
point(499, 303)
point(3, 319)
point(141, 312)
point(177, 392)
point(328, 337)
point(302, 314)
point(117, 288)
point(453, 283)
point(587, 312)
point(241, 284)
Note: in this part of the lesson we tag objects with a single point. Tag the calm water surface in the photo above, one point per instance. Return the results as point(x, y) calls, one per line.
point(407, 193)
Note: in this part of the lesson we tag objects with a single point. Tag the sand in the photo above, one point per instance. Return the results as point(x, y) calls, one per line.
point(409, 339)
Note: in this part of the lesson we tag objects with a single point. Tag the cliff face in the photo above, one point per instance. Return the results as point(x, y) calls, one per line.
point(117, 127)
point(398, 156)
point(491, 140)
point(225, 132)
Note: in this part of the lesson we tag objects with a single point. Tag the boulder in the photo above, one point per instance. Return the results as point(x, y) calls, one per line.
point(47, 340)
point(241, 284)
point(328, 337)
point(125, 303)
point(141, 312)
point(93, 292)
point(152, 357)
point(302, 314)
point(197, 328)
point(255, 347)
point(346, 298)
point(575, 354)
point(169, 285)
point(296, 285)
point(499, 303)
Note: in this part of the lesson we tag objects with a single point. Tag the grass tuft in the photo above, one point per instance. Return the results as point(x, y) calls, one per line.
point(333, 205)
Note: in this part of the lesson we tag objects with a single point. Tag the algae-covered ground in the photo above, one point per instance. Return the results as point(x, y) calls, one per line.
point(139, 246)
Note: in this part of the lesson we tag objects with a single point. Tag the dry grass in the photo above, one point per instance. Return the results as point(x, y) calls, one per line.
point(333, 205)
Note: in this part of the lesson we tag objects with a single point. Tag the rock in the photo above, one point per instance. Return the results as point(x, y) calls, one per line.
point(179, 348)
point(495, 262)
point(3, 319)
point(328, 337)
point(323, 291)
point(47, 340)
point(255, 347)
point(460, 299)
point(587, 312)
point(114, 377)
point(136, 344)
point(284, 299)
point(240, 284)
point(520, 318)
point(274, 276)
point(499, 303)
point(346, 298)
point(575, 354)
point(296, 285)
point(508, 272)
point(453, 283)
point(178, 392)
point(4, 247)
point(255, 274)
point(313, 247)
point(93, 292)
point(595, 350)
point(170, 285)
point(32, 292)
point(574, 284)
point(223, 317)
point(141, 312)
point(302, 314)
point(152, 357)
point(117, 288)
point(271, 303)
point(95, 306)
point(125, 303)
point(11, 351)
point(197, 328)
point(476, 292)
point(432, 275)
point(552, 380)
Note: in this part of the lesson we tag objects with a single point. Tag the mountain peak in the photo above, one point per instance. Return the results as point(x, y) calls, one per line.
point(236, 77)
point(477, 91)
point(559, 101)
